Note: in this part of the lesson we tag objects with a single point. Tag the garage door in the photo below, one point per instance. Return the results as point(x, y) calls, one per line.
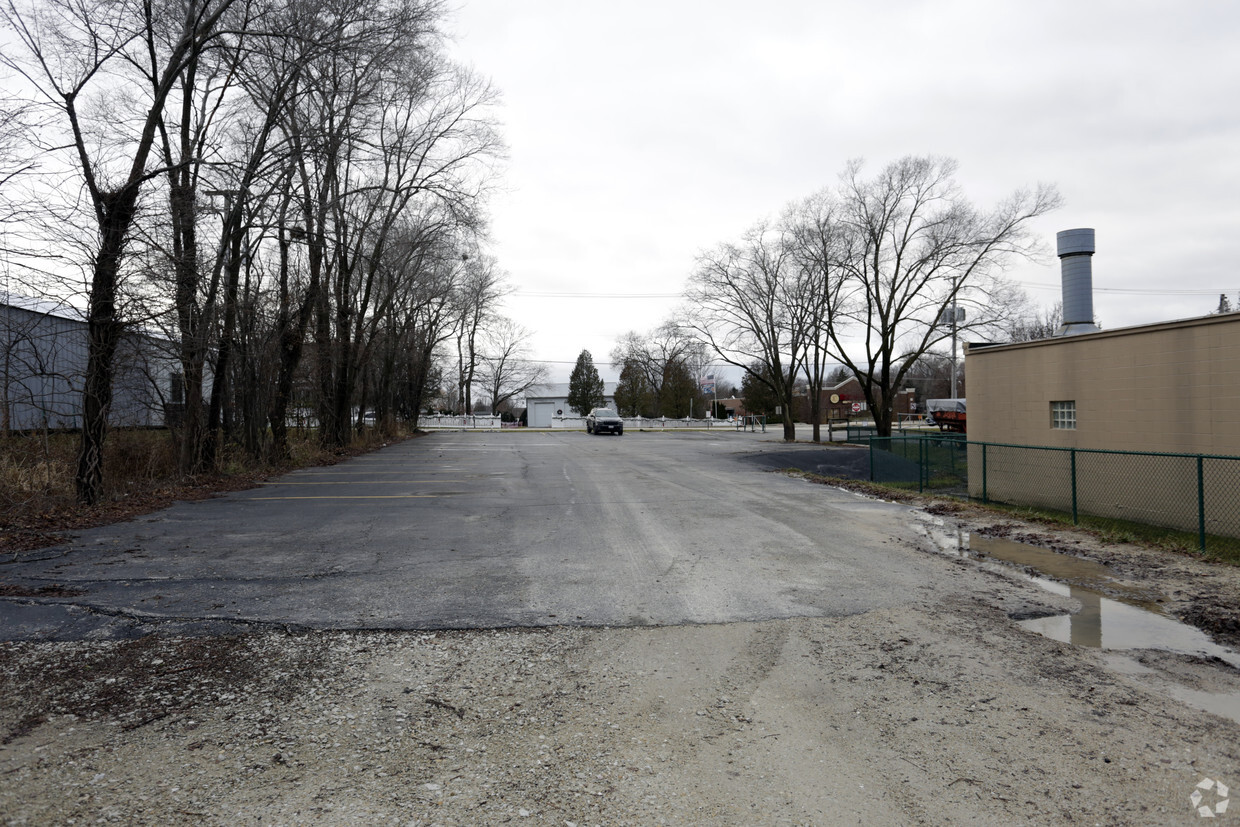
point(540, 414)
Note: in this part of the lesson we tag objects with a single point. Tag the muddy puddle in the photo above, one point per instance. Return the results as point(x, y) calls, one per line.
point(1112, 616)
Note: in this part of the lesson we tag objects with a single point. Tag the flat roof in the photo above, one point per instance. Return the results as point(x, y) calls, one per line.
point(1196, 321)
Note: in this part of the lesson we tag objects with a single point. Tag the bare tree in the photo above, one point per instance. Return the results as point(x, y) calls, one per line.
point(662, 358)
point(428, 267)
point(931, 376)
point(1030, 323)
point(218, 134)
point(15, 159)
point(398, 128)
point(477, 297)
point(816, 237)
point(505, 369)
point(745, 305)
point(915, 249)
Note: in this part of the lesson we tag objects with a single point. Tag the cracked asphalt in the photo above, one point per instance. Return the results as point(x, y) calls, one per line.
point(483, 531)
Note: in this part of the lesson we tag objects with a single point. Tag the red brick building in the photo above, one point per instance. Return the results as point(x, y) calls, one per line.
point(838, 401)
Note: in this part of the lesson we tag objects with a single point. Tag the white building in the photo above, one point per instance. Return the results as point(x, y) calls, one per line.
point(546, 402)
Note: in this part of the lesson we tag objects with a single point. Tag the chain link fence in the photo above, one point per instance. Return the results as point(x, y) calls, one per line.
point(1193, 499)
point(928, 463)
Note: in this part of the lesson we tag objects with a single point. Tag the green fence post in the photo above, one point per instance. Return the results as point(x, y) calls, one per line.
point(1074, 518)
point(985, 494)
point(871, 459)
point(921, 466)
point(1201, 502)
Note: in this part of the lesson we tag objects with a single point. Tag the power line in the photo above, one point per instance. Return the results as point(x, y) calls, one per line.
point(1135, 291)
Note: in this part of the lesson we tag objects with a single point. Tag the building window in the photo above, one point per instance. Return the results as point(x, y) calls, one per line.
point(1063, 415)
point(176, 388)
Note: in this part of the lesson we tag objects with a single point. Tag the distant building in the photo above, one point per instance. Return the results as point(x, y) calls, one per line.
point(837, 402)
point(43, 348)
point(546, 402)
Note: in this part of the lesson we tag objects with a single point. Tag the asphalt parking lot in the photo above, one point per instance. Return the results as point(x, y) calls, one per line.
point(482, 530)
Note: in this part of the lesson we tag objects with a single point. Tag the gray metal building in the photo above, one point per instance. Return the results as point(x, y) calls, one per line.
point(43, 365)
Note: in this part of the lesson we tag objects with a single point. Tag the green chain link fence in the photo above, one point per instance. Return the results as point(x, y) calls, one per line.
point(1192, 498)
point(930, 463)
point(859, 433)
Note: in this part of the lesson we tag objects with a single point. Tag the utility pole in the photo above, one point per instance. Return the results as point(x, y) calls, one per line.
point(953, 315)
point(957, 318)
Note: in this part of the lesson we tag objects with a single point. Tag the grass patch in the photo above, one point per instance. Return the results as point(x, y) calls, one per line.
point(1218, 548)
point(1114, 530)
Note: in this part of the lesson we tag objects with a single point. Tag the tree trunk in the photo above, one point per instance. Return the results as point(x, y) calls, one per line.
point(342, 396)
point(193, 351)
point(363, 401)
point(419, 371)
point(324, 367)
point(103, 331)
point(291, 338)
point(223, 362)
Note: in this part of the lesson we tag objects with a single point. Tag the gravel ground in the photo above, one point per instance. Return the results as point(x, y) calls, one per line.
point(943, 714)
point(942, 711)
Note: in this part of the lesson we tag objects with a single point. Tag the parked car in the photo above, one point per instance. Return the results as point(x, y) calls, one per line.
point(602, 420)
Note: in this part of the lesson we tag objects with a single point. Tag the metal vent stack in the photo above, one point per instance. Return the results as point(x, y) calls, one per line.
point(1075, 247)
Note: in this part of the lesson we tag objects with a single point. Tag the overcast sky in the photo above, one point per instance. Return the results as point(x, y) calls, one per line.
point(641, 133)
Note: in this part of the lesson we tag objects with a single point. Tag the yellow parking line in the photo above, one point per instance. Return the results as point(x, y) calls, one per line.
point(357, 473)
point(375, 497)
point(359, 482)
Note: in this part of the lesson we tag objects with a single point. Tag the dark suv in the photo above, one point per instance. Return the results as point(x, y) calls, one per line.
point(602, 420)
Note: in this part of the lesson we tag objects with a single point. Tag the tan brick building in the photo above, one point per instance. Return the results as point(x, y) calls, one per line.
point(1171, 387)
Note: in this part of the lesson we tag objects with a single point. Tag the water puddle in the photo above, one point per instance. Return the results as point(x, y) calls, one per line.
point(1112, 616)
point(1223, 704)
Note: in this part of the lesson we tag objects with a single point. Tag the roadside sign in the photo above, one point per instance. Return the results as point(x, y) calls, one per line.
point(856, 407)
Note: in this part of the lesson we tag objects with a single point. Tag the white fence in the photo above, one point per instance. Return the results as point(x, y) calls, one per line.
point(569, 423)
point(458, 422)
point(641, 423)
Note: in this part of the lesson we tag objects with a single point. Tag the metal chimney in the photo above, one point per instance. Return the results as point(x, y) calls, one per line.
point(1075, 249)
